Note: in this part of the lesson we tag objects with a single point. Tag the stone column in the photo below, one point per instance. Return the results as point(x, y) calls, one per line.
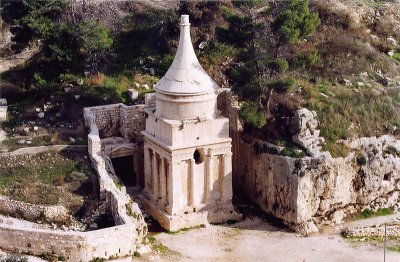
point(191, 186)
point(174, 188)
point(147, 169)
point(155, 177)
point(227, 178)
point(209, 178)
point(163, 181)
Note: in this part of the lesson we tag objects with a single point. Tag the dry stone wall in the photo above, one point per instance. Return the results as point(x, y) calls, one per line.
point(118, 241)
point(74, 246)
point(56, 214)
point(117, 120)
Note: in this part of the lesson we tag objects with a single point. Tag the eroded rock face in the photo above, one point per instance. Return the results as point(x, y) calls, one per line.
point(305, 126)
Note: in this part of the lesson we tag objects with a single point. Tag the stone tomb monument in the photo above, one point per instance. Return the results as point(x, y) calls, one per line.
point(187, 148)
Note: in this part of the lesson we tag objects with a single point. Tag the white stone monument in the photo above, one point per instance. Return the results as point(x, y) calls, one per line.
point(187, 148)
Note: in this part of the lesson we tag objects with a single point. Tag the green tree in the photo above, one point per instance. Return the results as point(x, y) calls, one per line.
point(94, 37)
point(295, 21)
point(30, 19)
point(253, 115)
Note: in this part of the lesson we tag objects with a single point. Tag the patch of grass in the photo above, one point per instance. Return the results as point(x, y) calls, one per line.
point(346, 113)
point(118, 184)
point(394, 248)
point(367, 213)
point(336, 149)
point(185, 229)
point(157, 246)
point(48, 178)
point(115, 87)
point(374, 3)
point(396, 55)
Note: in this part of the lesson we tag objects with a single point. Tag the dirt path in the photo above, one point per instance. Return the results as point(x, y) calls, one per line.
point(257, 241)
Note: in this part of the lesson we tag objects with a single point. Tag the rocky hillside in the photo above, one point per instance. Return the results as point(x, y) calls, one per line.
point(339, 58)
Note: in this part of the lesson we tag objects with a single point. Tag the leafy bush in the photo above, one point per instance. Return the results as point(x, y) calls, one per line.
point(282, 85)
point(253, 115)
point(67, 78)
point(391, 150)
point(40, 82)
point(277, 65)
point(295, 21)
point(95, 38)
point(307, 59)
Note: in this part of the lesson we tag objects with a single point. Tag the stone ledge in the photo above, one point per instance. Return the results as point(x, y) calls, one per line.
point(177, 222)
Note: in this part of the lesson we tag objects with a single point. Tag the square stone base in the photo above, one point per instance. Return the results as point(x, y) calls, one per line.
point(180, 221)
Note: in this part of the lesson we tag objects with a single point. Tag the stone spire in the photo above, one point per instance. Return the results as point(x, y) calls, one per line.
point(185, 76)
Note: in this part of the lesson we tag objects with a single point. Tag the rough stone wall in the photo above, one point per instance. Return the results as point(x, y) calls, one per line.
point(118, 198)
point(132, 121)
point(107, 119)
point(31, 212)
point(74, 246)
point(117, 120)
point(118, 241)
point(314, 190)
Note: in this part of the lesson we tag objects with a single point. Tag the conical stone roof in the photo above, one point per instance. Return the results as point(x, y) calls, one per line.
point(185, 76)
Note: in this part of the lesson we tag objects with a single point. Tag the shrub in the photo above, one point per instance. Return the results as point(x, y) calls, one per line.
point(295, 21)
point(95, 38)
point(277, 65)
point(97, 79)
point(282, 85)
point(253, 115)
point(40, 82)
point(67, 78)
point(361, 160)
point(391, 150)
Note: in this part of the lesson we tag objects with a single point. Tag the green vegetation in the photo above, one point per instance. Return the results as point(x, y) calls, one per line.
point(396, 55)
point(345, 113)
point(185, 229)
point(361, 160)
point(394, 248)
point(295, 21)
point(282, 85)
point(391, 150)
point(367, 213)
point(253, 115)
point(52, 257)
point(97, 259)
point(374, 3)
point(157, 246)
point(48, 179)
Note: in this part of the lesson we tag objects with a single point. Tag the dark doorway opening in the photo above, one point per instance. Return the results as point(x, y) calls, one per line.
point(123, 167)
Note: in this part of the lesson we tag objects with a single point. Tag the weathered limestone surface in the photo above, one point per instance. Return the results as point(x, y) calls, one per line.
point(304, 125)
point(392, 230)
point(31, 211)
point(314, 190)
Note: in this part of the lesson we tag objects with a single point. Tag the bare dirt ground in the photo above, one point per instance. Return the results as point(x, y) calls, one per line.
point(254, 240)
